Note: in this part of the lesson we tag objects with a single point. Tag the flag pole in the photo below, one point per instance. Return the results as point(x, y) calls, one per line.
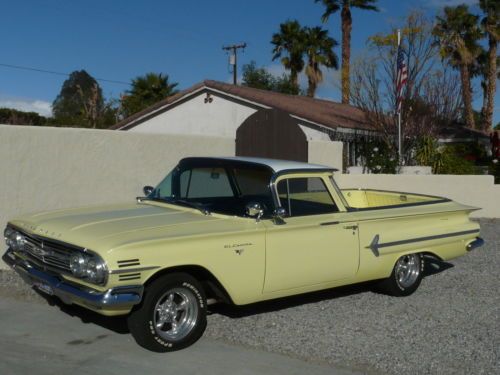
point(400, 155)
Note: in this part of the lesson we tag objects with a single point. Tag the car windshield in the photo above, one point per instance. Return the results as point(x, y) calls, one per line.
point(216, 187)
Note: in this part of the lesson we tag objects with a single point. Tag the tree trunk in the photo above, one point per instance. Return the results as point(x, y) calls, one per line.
point(491, 80)
point(312, 85)
point(294, 77)
point(346, 51)
point(467, 96)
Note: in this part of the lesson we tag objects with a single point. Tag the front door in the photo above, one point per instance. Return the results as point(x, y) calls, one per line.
point(316, 244)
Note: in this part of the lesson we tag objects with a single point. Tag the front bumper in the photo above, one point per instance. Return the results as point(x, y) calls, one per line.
point(119, 298)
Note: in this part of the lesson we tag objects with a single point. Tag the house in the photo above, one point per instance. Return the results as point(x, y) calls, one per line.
point(471, 138)
point(263, 123)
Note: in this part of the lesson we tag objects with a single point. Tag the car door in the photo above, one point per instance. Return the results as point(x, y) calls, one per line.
point(316, 243)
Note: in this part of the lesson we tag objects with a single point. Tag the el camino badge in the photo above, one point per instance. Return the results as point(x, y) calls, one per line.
point(238, 247)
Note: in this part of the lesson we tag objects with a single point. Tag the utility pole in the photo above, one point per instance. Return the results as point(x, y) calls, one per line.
point(233, 59)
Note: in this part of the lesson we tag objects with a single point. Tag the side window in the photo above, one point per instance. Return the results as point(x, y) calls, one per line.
point(252, 181)
point(305, 196)
point(205, 183)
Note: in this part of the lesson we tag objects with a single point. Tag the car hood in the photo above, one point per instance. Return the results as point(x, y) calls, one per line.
point(106, 227)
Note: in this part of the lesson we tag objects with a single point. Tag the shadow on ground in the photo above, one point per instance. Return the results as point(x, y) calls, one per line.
point(119, 324)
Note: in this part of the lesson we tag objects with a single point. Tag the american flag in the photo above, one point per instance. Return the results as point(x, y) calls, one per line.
point(401, 78)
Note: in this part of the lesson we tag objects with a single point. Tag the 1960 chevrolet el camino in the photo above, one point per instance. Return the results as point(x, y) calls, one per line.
point(236, 230)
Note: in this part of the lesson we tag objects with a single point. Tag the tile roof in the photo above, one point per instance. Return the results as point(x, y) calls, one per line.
point(323, 112)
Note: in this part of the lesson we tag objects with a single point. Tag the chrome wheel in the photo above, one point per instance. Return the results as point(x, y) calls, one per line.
point(175, 314)
point(407, 270)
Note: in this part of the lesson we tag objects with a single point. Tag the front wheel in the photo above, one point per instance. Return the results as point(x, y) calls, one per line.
point(405, 277)
point(172, 315)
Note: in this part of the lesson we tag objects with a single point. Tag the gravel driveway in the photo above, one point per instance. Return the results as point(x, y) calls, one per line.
point(450, 325)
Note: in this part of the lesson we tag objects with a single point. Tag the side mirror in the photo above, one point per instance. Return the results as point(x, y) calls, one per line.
point(254, 209)
point(147, 190)
point(278, 215)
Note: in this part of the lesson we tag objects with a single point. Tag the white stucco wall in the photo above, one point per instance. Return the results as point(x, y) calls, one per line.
point(326, 153)
point(219, 118)
point(478, 191)
point(313, 134)
point(50, 168)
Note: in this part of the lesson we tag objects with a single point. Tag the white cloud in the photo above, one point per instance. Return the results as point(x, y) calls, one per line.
point(29, 105)
point(448, 3)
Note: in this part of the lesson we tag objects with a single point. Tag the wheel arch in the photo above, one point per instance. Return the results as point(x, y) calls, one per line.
point(211, 285)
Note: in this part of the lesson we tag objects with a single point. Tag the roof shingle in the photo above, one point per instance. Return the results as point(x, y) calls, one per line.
point(323, 112)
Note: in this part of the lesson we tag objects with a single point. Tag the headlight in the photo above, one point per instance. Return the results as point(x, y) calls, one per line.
point(77, 264)
point(96, 271)
point(88, 266)
point(8, 234)
point(14, 239)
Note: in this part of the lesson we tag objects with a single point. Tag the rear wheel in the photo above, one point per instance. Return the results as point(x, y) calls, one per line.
point(172, 315)
point(405, 277)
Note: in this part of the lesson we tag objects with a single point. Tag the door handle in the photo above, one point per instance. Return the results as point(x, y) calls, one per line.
point(353, 227)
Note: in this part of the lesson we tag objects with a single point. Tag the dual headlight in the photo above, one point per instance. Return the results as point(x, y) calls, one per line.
point(14, 239)
point(87, 266)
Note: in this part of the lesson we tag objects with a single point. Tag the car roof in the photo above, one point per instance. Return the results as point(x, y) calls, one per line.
point(275, 164)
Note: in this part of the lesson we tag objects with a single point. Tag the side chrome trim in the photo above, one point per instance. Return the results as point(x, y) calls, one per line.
point(131, 270)
point(330, 223)
point(375, 245)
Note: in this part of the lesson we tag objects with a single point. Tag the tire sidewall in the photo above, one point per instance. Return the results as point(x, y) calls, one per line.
point(141, 322)
point(404, 291)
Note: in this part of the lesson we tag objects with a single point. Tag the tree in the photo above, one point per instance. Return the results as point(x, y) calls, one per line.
point(333, 6)
point(491, 27)
point(15, 117)
point(430, 98)
point(146, 91)
point(80, 102)
point(319, 51)
point(289, 47)
point(260, 78)
point(457, 34)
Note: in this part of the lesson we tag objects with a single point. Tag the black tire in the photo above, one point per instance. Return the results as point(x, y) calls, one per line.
point(402, 283)
point(178, 299)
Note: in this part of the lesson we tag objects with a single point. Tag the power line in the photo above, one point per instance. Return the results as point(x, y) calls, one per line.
point(59, 73)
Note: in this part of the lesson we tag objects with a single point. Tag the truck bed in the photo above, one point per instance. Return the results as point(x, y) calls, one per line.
point(367, 198)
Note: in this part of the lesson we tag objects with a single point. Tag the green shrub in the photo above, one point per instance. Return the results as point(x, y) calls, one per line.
point(377, 157)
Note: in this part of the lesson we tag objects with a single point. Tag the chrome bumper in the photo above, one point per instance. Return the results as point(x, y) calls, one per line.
point(119, 298)
point(478, 242)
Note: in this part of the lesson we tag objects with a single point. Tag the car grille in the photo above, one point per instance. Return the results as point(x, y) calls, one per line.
point(49, 253)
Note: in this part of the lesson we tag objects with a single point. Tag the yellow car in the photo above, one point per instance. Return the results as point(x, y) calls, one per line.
point(234, 230)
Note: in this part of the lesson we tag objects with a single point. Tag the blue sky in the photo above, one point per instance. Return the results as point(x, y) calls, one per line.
point(119, 40)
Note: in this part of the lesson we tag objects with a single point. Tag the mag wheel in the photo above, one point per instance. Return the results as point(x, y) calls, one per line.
point(405, 277)
point(172, 315)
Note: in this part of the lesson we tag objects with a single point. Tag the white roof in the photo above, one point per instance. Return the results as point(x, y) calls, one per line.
point(278, 165)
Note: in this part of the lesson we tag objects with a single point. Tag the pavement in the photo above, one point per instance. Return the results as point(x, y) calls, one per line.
point(43, 339)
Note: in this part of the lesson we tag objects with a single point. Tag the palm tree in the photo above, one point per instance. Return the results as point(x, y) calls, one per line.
point(457, 34)
point(289, 46)
point(146, 90)
point(333, 6)
point(491, 27)
point(319, 51)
